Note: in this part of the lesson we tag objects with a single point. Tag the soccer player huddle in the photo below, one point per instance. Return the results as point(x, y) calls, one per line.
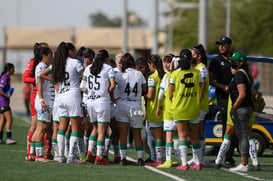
point(83, 102)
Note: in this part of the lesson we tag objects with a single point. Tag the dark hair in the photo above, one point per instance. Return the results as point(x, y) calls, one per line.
point(157, 61)
point(7, 67)
point(100, 58)
point(80, 51)
point(58, 66)
point(200, 50)
point(44, 51)
point(36, 51)
point(246, 67)
point(127, 61)
point(112, 63)
point(88, 53)
point(168, 58)
point(186, 57)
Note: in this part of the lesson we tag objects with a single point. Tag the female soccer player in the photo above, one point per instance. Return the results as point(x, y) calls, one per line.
point(129, 107)
point(29, 77)
point(5, 110)
point(200, 63)
point(66, 71)
point(99, 82)
point(154, 123)
point(43, 105)
point(185, 97)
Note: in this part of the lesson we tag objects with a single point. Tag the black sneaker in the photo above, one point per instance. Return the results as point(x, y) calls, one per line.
point(140, 162)
point(149, 160)
point(123, 162)
point(217, 166)
point(50, 157)
point(254, 167)
point(229, 162)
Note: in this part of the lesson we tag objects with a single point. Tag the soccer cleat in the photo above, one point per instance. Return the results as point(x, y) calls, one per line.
point(74, 160)
point(10, 142)
point(176, 162)
point(123, 162)
point(56, 158)
point(50, 157)
point(149, 160)
point(30, 157)
point(116, 159)
point(155, 163)
point(229, 162)
point(101, 161)
point(239, 168)
point(2, 142)
point(254, 168)
point(42, 159)
point(166, 164)
point(190, 162)
point(62, 159)
point(181, 167)
point(196, 167)
point(140, 162)
point(90, 158)
point(83, 158)
point(217, 166)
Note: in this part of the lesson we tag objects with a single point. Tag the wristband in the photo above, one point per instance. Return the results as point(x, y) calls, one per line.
point(41, 100)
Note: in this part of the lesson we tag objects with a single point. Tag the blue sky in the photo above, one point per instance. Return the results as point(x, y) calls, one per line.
point(63, 13)
point(66, 13)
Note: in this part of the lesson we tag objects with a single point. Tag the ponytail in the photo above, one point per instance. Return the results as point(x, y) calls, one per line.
point(157, 61)
point(100, 58)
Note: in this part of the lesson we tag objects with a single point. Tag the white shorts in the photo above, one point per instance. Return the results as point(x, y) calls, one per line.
point(70, 104)
point(202, 116)
point(98, 111)
point(112, 110)
point(130, 112)
point(55, 112)
point(43, 116)
point(154, 125)
point(169, 126)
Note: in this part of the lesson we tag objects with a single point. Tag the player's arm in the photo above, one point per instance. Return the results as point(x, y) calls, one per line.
point(151, 88)
point(39, 84)
point(111, 88)
point(45, 75)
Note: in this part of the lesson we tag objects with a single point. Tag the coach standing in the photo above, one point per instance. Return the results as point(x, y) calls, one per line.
point(220, 76)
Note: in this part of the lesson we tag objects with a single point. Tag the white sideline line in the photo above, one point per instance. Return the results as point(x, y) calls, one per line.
point(155, 170)
point(243, 174)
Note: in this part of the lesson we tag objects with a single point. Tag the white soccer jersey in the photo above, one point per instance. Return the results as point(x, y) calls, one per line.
point(97, 86)
point(71, 81)
point(118, 80)
point(131, 86)
point(48, 88)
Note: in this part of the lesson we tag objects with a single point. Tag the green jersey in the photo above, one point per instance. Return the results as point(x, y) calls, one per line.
point(151, 106)
point(204, 104)
point(186, 96)
point(164, 85)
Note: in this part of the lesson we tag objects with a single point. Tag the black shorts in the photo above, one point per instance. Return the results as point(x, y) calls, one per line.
point(4, 109)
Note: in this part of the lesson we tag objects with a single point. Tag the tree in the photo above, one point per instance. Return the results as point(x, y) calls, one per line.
point(251, 26)
point(100, 19)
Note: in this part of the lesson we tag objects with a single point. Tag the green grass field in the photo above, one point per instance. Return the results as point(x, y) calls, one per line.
point(13, 166)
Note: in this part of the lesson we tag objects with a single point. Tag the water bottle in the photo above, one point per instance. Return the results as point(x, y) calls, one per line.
point(10, 91)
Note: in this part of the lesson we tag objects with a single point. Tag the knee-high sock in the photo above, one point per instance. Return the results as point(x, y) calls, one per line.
point(61, 142)
point(252, 151)
point(223, 149)
point(183, 147)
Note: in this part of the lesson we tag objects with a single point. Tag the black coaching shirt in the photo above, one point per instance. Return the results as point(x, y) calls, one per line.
point(240, 78)
point(220, 68)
